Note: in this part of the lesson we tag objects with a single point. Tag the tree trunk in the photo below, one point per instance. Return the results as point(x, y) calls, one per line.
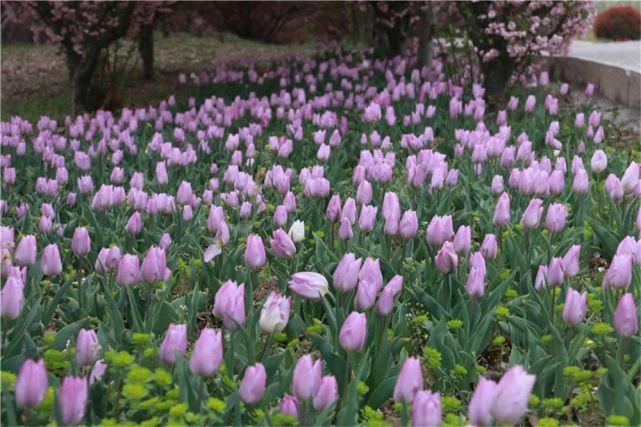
point(81, 71)
point(146, 50)
point(425, 35)
point(395, 40)
point(496, 75)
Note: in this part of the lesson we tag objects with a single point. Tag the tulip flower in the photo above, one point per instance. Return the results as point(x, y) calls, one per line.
point(439, 230)
point(345, 230)
point(207, 355)
point(255, 256)
point(599, 161)
point(327, 393)
point(409, 381)
point(297, 231)
point(98, 370)
point(391, 208)
point(367, 218)
point(280, 216)
point(31, 383)
point(626, 322)
point(353, 332)
point(479, 409)
point(306, 378)
point(12, 298)
point(134, 224)
point(346, 273)
point(408, 226)
point(446, 259)
point(229, 304)
point(349, 211)
point(502, 211)
point(87, 347)
point(463, 239)
point(281, 244)
point(275, 313)
point(619, 274)
point(631, 178)
point(426, 409)
point(532, 215)
point(50, 262)
point(72, 398)
point(581, 182)
point(128, 270)
point(385, 302)
point(288, 406)
point(512, 395)
point(571, 261)
point(554, 275)
point(154, 266)
point(555, 218)
point(334, 209)
point(575, 307)
point(26, 251)
point(475, 285)
point(175, 342)
point(252, 387)
point(81, 242)
point(489, 246)
point(309, 285)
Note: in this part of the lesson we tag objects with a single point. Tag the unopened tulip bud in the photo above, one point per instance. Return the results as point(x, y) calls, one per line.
point(255, 256)
point(72, 398)
point(327, 393)
point(31, 383)
point(87, 347)
point(409, 381)
point(512, 395)
point(575, 307)
point(426, 409)
point(175, 342)
point(207, 354)
point(626, 322)
point(306, 378)
point(353, 332)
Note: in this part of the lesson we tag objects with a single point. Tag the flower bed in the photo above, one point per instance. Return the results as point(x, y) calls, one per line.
point(342, 240)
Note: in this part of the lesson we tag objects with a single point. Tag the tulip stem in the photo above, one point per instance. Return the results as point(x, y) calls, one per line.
point(267, 344)
point(404, 414)
point(621, 352)
point(552, 292)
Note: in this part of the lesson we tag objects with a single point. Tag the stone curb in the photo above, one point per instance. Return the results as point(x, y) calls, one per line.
point(619, 85)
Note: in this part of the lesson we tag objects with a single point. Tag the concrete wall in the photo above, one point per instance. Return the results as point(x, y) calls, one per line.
point(616, 84)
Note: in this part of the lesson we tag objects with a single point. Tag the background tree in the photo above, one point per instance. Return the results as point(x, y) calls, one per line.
point(83, 30)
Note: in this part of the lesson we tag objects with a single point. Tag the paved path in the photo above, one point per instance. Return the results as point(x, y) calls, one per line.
point(622, 54)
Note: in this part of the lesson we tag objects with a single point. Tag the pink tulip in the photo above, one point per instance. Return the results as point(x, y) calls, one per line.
point(353, 332)
point(479, 409)
point(207, 355)
point(346, 273)
point(512, 394)
point(72, 398)
point(575, 307)
point(306, 378)
point(426, 409)
point(625, 316)
point(409, 381)
point(327, 393)
point(229, 304)
point(252, 387)
point(174, 343)
point(31, 383)
point(255, 256)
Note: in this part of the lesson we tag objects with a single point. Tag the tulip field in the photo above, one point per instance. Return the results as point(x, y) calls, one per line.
point(331, 240)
